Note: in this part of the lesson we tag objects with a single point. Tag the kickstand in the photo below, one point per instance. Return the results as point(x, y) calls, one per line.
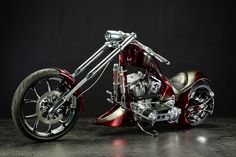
point(154, 133)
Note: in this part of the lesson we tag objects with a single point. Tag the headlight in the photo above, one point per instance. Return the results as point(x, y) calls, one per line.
point(114, 36)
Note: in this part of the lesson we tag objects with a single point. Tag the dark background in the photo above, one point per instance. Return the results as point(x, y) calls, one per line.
point(191, 34)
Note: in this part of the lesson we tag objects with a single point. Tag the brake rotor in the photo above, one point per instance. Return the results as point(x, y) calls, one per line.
point(44, 104)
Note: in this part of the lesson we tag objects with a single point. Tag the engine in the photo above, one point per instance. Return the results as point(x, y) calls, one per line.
point(146, 104)
point(140, 85)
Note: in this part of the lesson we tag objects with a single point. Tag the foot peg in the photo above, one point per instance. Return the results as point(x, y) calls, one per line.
point(153, 133)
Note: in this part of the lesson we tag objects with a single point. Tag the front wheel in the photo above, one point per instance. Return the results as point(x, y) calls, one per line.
point(32, 101)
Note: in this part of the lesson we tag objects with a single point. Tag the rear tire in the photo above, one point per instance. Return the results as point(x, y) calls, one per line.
point(20, 99)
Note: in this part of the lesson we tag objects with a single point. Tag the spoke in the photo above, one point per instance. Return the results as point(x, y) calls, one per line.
point(48, 84)
point(31, 116)
point(36, 93)
point(63, 124)
point(203, 114)
point(30, 101)
point(198, 119)
point(56, 79)
point(49, 128)
point(208, 111)
point(36, 124)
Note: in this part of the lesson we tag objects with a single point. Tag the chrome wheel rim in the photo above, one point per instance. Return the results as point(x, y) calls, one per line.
point(34, 107)
point(201, 104)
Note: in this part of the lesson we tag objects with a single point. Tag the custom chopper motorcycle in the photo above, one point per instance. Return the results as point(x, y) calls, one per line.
point(47, 103)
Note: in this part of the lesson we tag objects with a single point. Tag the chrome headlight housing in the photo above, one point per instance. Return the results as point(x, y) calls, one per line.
point(114, 36)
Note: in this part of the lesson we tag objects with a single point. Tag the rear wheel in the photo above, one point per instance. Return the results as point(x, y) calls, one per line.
point(201, 104)
point(32, 101)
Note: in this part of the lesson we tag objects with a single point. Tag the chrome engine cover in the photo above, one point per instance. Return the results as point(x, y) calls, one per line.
point(136, 87)
point(146, 109)
point(139, 85)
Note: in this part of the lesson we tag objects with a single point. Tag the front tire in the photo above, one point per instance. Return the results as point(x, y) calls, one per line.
point(32, 100)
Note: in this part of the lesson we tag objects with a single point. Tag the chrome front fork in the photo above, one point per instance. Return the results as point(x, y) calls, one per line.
point(95, 70)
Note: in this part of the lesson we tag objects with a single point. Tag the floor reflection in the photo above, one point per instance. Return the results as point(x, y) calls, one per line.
point(90, 140)
point(118, 147)
point(185, 136)
point(201, 139)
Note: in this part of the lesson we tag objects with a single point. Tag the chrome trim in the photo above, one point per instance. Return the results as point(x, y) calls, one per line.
point(39, 123)
point(154, 133)
point(90, 60)
point(66, 96)
point(115, 36)
point(109, 57)
point(153, 54)
point(115, 81)
point(205, 108)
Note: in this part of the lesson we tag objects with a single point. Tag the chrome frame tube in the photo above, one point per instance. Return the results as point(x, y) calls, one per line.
point(109, 57)
point(98, 53)
point(100, 65)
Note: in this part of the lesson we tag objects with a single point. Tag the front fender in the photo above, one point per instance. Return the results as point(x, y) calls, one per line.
point(68, 76)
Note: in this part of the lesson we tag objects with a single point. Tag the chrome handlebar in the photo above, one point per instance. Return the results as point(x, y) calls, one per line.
point(157, 56)
point(114, 37)
point(153, 54)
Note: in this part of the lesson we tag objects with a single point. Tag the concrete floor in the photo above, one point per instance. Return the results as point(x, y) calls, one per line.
point(215, 138)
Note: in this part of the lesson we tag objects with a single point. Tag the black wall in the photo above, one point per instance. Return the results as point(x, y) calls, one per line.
point(191, 34)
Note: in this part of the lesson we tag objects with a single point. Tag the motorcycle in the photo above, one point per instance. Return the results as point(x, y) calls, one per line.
point(47, 103)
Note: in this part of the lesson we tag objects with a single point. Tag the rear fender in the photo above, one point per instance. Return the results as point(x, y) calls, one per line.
point(68, 76)
point(199, 79)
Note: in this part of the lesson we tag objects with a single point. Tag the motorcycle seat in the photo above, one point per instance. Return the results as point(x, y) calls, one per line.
point(179, 81)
